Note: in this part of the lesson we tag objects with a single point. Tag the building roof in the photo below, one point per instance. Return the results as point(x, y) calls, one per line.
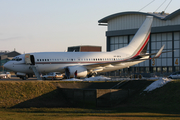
point(9, 54)
point(161, 16)
point(3, 52)
point(12, 54)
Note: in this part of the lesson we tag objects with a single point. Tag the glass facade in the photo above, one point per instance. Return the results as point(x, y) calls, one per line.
point(118, 42)
point(166, 63)
point(176, 52)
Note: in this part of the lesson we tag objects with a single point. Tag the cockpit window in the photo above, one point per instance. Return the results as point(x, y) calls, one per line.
point(16, 59)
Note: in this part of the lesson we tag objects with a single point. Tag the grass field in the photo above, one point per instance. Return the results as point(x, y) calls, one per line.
point(80, 114)
point(161, 104)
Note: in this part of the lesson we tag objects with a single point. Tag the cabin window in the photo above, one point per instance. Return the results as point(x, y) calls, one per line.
point(37, 59)
point(47, 59)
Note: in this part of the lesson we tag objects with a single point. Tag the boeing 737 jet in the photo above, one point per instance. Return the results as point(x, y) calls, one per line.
point(86, 63)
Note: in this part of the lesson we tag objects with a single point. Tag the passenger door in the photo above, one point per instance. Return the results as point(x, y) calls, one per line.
point(27, 59)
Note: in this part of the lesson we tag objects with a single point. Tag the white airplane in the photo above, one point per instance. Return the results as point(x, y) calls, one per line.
point(86, 63)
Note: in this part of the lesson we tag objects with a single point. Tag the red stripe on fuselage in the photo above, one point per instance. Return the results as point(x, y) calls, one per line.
point(142, 47)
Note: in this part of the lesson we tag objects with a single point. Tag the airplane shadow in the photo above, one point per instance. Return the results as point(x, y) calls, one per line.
point(49, 100)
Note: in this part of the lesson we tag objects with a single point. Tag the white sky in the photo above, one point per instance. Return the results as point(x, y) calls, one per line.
point(54, 25)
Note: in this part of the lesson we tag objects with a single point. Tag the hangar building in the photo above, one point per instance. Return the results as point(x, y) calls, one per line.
point(121, 28)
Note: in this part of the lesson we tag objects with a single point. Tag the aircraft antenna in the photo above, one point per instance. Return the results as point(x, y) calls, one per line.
point(160, 6)
point(168, 5)
point(146, 5)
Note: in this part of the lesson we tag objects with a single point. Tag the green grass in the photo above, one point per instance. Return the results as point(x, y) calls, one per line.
point(162, 103)
point(165, 99)
point(12, 93)
point(80, 114)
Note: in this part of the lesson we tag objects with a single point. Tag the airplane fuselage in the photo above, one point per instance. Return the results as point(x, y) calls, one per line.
point(56, 61)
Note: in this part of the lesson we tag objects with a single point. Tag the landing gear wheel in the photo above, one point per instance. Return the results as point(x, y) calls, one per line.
point(23, 78)
point(91, 75)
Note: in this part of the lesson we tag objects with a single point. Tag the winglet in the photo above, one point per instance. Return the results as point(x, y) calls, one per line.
point(159, 52)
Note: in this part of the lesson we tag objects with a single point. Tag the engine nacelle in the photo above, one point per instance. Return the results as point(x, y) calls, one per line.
point(18, 74)
point(81, 71)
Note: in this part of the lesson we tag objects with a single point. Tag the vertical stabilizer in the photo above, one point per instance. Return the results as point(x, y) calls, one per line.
point(140, 39)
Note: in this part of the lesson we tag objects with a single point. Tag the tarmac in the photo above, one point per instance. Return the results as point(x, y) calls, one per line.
point(14, 78)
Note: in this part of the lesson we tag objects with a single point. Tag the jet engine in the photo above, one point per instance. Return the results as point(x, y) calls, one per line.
point(70, 71)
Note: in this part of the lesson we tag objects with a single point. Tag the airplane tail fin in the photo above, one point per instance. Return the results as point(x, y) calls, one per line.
point(138, 44)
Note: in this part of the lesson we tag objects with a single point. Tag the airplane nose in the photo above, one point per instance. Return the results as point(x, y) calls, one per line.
point(7, 65)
